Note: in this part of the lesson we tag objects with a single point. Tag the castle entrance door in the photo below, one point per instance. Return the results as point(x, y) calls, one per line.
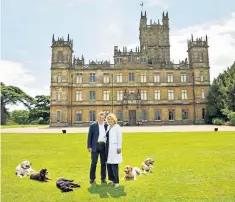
point(132, 117)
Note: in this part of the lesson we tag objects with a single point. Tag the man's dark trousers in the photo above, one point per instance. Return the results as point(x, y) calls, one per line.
point(100, 150)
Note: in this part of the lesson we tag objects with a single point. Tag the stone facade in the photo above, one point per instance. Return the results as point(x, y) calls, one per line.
point(142, 87)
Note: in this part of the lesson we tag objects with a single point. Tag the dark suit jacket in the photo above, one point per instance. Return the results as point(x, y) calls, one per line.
point(93, 135)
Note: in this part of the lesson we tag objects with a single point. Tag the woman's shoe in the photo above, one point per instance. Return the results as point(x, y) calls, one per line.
point(111, 183)
point(116, 185)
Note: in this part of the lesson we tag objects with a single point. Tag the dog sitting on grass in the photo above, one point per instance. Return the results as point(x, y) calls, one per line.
point(66, 185)
point(147, 165)
point(41, 176)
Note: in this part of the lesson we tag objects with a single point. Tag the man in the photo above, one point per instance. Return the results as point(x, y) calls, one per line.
point(96, 146)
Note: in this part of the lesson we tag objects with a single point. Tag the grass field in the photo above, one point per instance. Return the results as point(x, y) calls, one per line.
point(21, 126)
point(189, 167)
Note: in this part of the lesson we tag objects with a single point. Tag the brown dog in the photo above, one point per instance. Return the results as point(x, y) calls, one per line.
point(41, 176)
point(130, 173)
point(147, 165)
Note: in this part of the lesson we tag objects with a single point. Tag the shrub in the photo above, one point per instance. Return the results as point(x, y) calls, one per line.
point(10, 122)
point(218, 121)
point(233, 121)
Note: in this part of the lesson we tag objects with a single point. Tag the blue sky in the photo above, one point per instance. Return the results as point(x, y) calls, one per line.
point(97, 26)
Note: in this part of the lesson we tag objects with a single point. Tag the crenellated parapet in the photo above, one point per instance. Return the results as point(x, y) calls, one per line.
point(124, 52)
point(198, 42)
point(78, 61)
point(61, 42)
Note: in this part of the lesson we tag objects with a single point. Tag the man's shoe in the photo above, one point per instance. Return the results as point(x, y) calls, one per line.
point(103, 181)
point(92, 181)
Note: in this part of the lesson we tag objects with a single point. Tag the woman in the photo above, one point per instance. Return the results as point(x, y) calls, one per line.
point(114, 148)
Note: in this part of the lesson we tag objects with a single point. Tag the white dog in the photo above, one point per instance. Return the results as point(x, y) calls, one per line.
point(23, 169)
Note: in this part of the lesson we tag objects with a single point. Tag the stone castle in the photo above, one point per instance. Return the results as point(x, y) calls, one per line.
point(142, 87)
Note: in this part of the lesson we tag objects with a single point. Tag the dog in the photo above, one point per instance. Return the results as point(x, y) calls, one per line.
point(24, 169)
point(147, 165)
point(130, 173)
point(66, 185)
point(41, 176)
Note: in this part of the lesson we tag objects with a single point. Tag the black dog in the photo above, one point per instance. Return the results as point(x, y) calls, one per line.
point(40, 176)
point(66, 185)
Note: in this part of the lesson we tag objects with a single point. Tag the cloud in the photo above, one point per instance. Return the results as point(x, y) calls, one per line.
point(14, 73)
point(221, 40)
point(163, 3)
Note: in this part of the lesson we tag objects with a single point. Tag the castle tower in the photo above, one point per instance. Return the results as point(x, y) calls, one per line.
point(154, 39)
point(62, 51)
point(198, 52)
point(199, 58)
point(61, 77)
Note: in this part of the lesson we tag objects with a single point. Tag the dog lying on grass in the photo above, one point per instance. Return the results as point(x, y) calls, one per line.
point(130, 173)
point(66, 185)
point(24, 169)
point(41, 176)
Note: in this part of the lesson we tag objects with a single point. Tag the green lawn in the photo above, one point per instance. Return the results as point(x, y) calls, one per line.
point(189, 167)
point(22, 126)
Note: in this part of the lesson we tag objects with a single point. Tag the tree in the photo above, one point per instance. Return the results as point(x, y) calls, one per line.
point(20, 116)
point(221, 96)
point(12, 95)
point(41, 112)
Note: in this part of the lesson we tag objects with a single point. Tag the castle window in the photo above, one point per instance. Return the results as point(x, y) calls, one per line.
point(184, 94)
point(59, 96)
point(106, 95)
point(58, 116)
point(144, 115)
point(143, 95)
point(158, 115)
point(78, 116)
point(59, 77)
point(156, 77)
point(120, 116)
point(170, 94)
point(131, 77)
point(143, 60)
point(119, 78)
point(203, 113)
point(92, 116)
point(143, 78)
point(79, 96)
point(201, 76)
point(170, 77)
point(202, 94)
point(106, 78)
point(119, 60)
point(60, 56)
point(92, 95)
point(79, 78)
point(119, 95)
point(171, 114)
point(131, 59)
point(157, 95)
point(92, 77)
point(184, 114)
point(183, 77)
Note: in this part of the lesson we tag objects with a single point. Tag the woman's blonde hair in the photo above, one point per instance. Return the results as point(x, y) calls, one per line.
point(113, 116)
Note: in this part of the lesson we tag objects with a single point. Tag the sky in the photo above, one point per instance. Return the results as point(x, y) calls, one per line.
point(96, 26)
